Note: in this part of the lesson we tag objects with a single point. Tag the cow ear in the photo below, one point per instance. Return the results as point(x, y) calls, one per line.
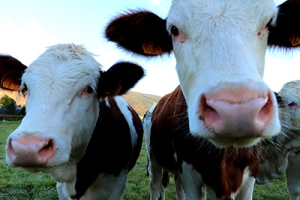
point(11, 71)
point(140, 32)
point(118, 79)
point(285, 32)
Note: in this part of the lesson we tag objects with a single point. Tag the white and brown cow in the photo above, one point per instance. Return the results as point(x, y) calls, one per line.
point(76, 128)
point(280, 154)
point(220, 49)
point(228, 173)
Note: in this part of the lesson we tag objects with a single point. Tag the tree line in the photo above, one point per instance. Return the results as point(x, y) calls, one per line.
point(10, 106)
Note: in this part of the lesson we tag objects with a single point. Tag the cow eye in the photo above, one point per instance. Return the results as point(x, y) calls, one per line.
point(89, 89)
point(292, 105)
point(24, 89)
point(174, 30)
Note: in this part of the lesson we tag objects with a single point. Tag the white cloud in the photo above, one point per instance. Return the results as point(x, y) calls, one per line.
point(161, 6)
point(155, 2)
point(281, 68)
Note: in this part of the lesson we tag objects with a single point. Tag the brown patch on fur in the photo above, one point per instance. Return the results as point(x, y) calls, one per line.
point(232, 166)
point(149, 48)
point(295, 39)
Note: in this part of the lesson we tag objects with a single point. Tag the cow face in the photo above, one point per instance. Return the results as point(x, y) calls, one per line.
point(63, 87)
point(289, 107)
point(220, 52)
point(220, 61)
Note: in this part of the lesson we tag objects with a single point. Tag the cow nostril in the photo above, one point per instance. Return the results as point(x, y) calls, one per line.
point(47, 150)
point(265, 112)
point(10, 150)
point(208, 113)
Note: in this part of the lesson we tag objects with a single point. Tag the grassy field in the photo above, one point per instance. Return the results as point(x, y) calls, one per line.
point(16, 184)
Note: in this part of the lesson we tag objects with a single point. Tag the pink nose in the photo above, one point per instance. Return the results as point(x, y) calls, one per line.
point(30, 151)
point(237, 114)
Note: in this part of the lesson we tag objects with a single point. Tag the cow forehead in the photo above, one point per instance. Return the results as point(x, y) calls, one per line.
point(204, 13)
point(66, 64)
point(220, 38)
point(290, 88)
point(211, 4)
point(74, 57)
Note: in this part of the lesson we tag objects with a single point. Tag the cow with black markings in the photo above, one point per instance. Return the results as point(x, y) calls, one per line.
point(77, 128)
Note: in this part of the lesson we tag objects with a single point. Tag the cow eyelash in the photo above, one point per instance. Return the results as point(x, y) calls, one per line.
point(24, 89)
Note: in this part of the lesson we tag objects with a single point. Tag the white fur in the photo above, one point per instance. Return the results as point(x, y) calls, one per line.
point(108, 187)
point(247, 187)
point(155, 176)
point(147, 126)
point(154, 169)
point(123, 105)
point(192, 183)
point(221, 43)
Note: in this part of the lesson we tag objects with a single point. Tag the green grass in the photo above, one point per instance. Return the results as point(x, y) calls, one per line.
point(16, 184)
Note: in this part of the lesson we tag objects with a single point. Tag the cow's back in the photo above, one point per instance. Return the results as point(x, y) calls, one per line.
point(115, 144)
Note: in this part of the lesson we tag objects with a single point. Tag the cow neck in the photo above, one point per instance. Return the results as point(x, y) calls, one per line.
point(105, 138)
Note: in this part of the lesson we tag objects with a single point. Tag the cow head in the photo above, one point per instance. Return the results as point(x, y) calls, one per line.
point(275, 152)
point(63, 87)
point(220, 49)
point(289, 111)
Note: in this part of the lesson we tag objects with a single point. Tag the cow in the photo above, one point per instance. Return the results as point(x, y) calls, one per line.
point(228, 173)
point(206, 130)
point(280, 154)
point(77, 127)
point(219, 49)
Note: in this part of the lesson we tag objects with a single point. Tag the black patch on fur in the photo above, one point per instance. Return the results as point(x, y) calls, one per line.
point(133, 29)
point(287, 25)
point(118, 79)
point(11, 71)
point(110, 149)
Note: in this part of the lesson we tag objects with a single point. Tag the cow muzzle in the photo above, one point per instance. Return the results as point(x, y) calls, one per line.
point(30, 151)
point(237, 114)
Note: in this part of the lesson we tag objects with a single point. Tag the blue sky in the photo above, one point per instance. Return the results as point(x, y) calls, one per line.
point(28, 27)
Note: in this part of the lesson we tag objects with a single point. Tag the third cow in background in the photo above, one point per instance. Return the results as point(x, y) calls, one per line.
point(281, 154)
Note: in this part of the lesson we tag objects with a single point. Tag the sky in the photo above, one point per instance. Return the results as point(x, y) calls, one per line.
point(28, 27)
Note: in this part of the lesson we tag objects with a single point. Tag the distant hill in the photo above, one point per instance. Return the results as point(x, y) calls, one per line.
point(139, 101)
point(18, 97)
